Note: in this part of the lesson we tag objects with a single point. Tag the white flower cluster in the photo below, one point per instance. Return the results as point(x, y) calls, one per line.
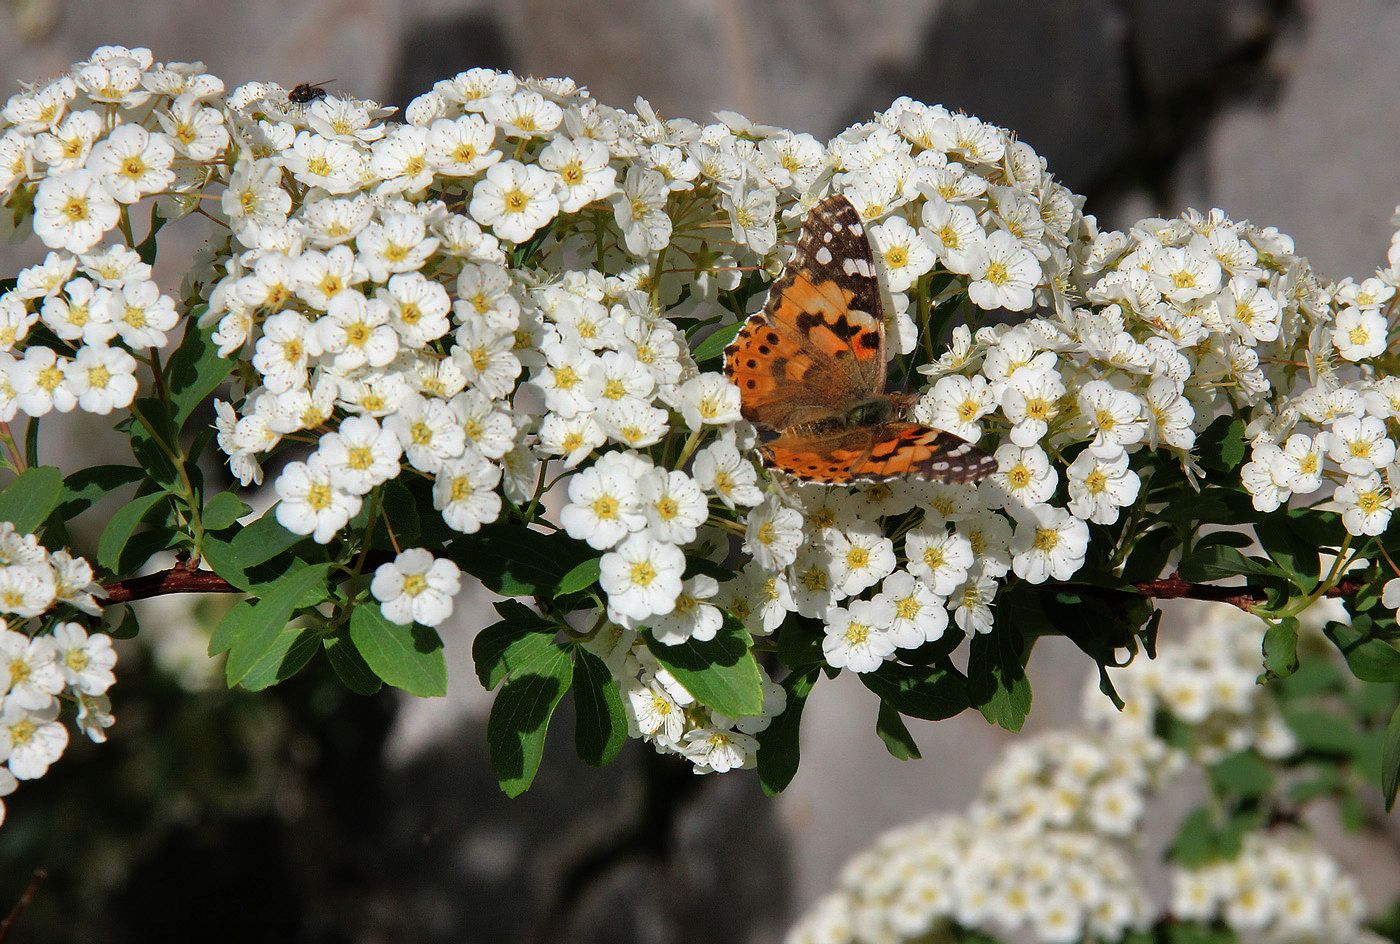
point(44, 666)
point(1208, 683)
point(1337, 426)
point(1045, 849)
point(1281, 889)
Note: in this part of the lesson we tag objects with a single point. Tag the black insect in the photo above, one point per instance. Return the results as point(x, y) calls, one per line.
point(306, 93)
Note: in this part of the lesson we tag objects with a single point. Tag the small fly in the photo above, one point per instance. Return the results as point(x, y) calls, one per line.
point(307, 92)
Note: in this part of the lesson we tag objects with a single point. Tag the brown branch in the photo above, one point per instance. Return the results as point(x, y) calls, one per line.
point(28, 896)
point(177, 579)
point(1245, 597)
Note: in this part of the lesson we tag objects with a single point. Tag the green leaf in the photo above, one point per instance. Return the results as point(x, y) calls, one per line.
point(350, 667)
point(1370, 659)
point(1288, 550)
point(146, 249)
point(898, 741)
point(1323, 732)
point(715, 342)
point(1221, 446)
point(1195, 841)
point(516, 562)
point(600, 728)
point(720, 673)
point(122, 526)
point(1281, 649)
point(779, 749)
point(407, 657)
point(229, 627)
point(492, 650)
point(264, 649)
point(1390, 761)
point(580, 578)
point(223, 511)
point(1220, 561)
point(996, 678)
point(29, 499)
point(194, 371)
point(1244, 774)
point(87, 487)
point(539, 676)
point(153, 424)
point(928, 692)
point(250, 558)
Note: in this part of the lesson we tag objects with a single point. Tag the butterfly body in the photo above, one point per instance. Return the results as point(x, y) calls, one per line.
point(811, 370)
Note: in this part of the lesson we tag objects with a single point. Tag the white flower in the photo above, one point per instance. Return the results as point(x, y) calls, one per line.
point(954, 233)
point(464, 491)
point(462, 146)
point(133, 163)
point(1360, 334)
point(428, 431)
point(73, 211)
point(102, 378)
point(398, 242)
point(1023, 478)
point(1184, 274)
point(31, 740)
point(142, 314)
point(653, 712)
point(918, 613)
point(1004, 274)
point(903, 252)
point(1099, 486)
point(752, 216)
point(957, 404)
point(85, 661)
point(416, 587)
point(858, 637)
point(860, 558)
point(360, 455)
point(334, 166)
point(1115, 416)
point(692, 618)
point(254, 196)
point(709, 400)
point(514, 200)
point(642, 577)
point(941, 559)
point(604, 507)
point(673, 504)
point(1250, 310)
point(714, 751)
point(1049, 542)
point(486, 357)
point(583, 170)
point(30, 675)
point(41, 382)
point(1031, 401)
point(640, 211)
point(401, 160)
point(357, 332)
point(719, 468)
point(310, 502)
point(1360, 444)
point(1366, 504)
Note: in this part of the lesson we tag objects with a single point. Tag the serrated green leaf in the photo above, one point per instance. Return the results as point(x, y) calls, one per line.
point(29, 499)
point(779, 747)
point(1222, 446)
point(264, 649)
point(1220, 562)
point(721, 673)
point(996, 678)
point(600, 727)
point(1297, 558)
point(122, 526)
point(893, 732)
point(407, 657)
point(580, 578)
point(253, 556)
point(519, 719)
point(1390, 761)
point(223, 511)
point(715, 342)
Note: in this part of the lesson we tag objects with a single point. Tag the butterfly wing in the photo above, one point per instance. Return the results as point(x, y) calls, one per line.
point(818, 345)
point(878, 453)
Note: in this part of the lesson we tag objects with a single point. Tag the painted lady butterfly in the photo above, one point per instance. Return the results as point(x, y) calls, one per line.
point(810, 368)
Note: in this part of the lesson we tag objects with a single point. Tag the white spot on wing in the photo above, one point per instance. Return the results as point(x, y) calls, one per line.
point(824, 254)
point(857, 229)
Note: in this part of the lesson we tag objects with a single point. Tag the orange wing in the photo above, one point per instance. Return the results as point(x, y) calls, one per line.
point(877, 454)
point(818, 346)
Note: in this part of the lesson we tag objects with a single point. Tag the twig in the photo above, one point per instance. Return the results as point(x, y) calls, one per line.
point(175, 580)
point(30, 891)
point(1246, 597)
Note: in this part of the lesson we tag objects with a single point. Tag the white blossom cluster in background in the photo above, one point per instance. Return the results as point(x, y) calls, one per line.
point(1045, 852)
point(47, 665)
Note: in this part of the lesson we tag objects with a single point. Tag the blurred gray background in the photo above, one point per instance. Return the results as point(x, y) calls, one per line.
point(308, 816)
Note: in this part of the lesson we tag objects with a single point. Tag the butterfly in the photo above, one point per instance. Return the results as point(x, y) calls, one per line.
point(810, 368)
